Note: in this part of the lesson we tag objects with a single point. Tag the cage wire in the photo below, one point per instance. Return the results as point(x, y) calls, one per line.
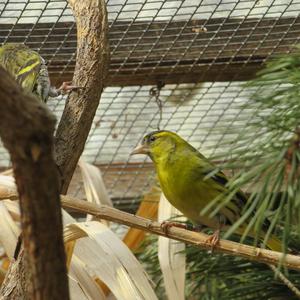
point(199, 52)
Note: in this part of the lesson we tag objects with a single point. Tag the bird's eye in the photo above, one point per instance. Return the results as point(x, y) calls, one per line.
point(152, 138)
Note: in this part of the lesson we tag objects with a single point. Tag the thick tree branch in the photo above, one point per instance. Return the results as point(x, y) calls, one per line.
point(90, 73)
point(195, 238)
point(26, 129)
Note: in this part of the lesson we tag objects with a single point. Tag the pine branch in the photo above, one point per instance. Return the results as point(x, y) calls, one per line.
point(219, 276)
point(265, 152)
point(285, 280)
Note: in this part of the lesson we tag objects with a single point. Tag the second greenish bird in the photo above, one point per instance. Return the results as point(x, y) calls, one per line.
point(30, 70)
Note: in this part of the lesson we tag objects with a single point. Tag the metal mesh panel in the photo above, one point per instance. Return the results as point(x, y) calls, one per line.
point(201, 50)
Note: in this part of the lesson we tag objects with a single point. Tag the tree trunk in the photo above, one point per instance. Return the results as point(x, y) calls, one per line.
point(90, 71)
point(26, 129)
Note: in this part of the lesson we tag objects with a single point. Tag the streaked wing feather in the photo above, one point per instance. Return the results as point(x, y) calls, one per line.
point(22, 63)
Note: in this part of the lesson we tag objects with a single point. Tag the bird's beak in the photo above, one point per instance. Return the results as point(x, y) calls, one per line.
point(140, 149)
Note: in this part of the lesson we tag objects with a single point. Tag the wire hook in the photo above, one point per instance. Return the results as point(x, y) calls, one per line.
point(155, 92)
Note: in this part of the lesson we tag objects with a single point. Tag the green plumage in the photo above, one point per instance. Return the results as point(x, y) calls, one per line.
point(190, 182)
point(28, 68)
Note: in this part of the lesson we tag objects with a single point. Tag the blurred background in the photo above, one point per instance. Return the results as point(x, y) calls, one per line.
point(192, 56)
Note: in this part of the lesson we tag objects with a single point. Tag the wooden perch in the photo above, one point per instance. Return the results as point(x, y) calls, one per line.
point(197, 239)
point(90, 72)
point(190, 237)
point(26, 130)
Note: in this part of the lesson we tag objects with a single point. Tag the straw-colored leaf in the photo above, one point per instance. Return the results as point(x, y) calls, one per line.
point(93, 184)
point(2, 274)
point(106, 257)
point(77, 269)
point(8, 172)
point(76, 292)
point(69, 249)
point(171, 255)
point(9, 231)
point(79, 273)
point(7, 185)
point(13, 208)
point(98, 255)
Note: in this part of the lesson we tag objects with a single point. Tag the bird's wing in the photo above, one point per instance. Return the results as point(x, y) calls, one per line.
point(29, 63)
point(238, 200)
point(22, 63)
point(217, 180)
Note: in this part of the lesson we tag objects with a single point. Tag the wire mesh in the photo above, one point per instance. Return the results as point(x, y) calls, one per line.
point(202, 50)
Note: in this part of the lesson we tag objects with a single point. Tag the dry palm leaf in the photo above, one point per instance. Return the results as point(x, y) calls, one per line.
point(95, 192)
point(106, 257)
point(98, 255)
point(94, 187)
point(9, 229)
point(8, 172)
point(171, 255)
point(78, 293)
point(84, 280)
point(7, 184)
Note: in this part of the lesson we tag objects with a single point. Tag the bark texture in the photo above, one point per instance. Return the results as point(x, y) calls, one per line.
point(26, 130)
point(90, 72)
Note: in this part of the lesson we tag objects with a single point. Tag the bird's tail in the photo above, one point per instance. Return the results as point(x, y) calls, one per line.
point(274, 244)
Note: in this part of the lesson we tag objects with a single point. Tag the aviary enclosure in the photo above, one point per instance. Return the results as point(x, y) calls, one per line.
point(198, 68)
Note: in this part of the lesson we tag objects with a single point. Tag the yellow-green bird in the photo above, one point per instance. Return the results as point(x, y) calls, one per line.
point(30, 70)
point(187, 180)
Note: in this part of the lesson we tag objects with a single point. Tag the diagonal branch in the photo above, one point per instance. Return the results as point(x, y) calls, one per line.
point(197, 239)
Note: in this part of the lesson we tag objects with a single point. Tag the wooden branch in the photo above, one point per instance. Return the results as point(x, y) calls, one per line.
point(144, 52)
point(26, 130)
point(197, 239)
point(90, 72)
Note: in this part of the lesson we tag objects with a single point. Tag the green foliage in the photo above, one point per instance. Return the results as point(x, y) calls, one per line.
point(265, 152)
point(221, 277)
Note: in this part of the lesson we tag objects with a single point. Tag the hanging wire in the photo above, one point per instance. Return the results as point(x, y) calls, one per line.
point(155, 92)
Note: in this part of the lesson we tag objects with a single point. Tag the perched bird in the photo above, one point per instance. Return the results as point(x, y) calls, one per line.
point(187, 180)
point(30, 70)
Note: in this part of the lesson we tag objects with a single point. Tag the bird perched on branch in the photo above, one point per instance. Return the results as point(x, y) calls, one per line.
point(190, 182)
point(30, 70)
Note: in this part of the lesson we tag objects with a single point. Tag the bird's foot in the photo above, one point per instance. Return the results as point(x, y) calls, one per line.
point(214, 239)
point(67, 87)
point(166, 225)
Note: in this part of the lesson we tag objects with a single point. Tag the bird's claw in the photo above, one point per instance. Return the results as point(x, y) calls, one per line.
point(68, 87)
point(214, 239)
point(165, 226)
